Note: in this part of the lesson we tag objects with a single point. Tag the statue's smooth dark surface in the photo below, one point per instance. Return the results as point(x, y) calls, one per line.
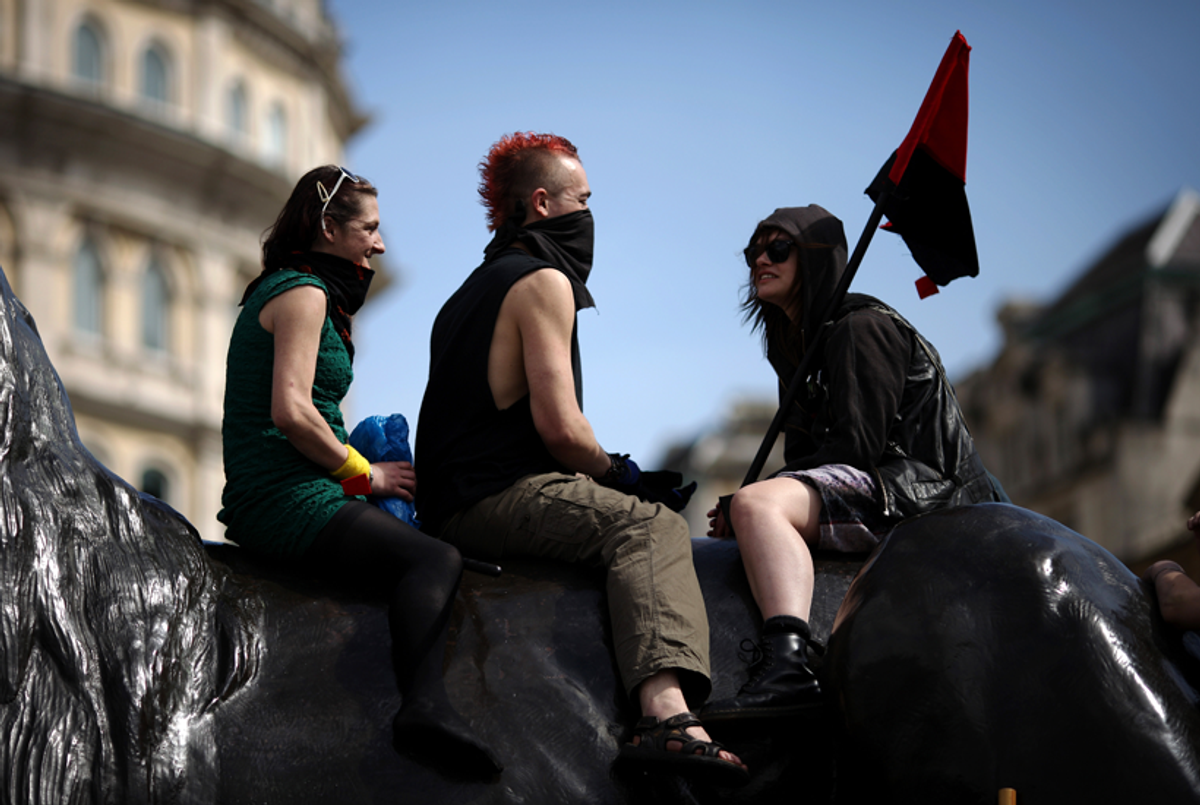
point(529, 665)
point(989, 647)
point(978, 648)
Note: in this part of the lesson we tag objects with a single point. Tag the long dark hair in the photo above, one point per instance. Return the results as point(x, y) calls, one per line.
point(770, 320)
point(299, 222)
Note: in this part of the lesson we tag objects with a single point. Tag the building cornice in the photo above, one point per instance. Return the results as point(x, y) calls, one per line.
point(319, 52)
point(50, 129)
point(314, 49)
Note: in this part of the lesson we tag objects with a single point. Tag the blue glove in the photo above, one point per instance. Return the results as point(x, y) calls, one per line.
point(385, 438)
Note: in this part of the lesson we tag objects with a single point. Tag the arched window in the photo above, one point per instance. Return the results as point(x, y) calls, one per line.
point(88, 298)
point(236, 112)
point(155, 482)
point(275, 147)
point(156, 75)
point(156, 304)
point(87, 55)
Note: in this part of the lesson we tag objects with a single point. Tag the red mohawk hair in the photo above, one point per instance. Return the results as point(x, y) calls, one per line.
point(515, 166)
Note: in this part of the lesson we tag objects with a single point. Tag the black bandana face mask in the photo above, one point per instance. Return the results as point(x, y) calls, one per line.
point(565, 241)
point(346, 283)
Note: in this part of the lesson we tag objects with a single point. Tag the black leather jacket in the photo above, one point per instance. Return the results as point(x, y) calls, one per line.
point(877, 397)
point(914, 440)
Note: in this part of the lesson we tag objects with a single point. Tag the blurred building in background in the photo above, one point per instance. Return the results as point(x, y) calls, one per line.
point(718, 459)
point(1090, 414)
point(144, 147)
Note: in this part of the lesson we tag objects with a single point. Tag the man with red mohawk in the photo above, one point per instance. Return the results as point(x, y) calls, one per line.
point(510, 466)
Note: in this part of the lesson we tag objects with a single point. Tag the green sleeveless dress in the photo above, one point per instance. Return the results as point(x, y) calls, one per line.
point(276, 500)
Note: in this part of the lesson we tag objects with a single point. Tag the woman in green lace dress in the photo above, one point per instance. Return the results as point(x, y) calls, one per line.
point(294, 488)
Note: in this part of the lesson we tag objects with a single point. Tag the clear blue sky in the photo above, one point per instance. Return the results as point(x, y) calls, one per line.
point(696, 119)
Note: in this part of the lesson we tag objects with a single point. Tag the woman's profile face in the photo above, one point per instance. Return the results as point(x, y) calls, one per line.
point(774, 271)
point(357, 239)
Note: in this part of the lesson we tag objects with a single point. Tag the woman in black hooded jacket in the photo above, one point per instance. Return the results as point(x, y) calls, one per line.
point(874, 437)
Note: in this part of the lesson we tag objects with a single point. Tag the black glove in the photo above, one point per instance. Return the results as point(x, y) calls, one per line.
point(662, 486)
point(623, 473)
point(665, 487)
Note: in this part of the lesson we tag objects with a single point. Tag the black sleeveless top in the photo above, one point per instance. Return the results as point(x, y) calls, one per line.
point(466, 448)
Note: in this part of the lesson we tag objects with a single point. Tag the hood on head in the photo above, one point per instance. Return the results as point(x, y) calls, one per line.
point(822, 245)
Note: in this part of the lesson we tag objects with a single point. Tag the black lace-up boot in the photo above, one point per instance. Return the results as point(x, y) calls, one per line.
point(781, 683)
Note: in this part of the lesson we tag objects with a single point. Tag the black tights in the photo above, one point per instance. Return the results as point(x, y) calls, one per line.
point(420, 575)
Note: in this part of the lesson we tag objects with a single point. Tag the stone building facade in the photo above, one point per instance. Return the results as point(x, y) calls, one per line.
point(144, 147)
point(1090, 414)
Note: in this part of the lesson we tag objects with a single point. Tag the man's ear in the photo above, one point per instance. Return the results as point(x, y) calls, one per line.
point(540, 203)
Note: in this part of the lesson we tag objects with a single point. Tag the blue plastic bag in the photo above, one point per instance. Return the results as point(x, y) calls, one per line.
point(385, 438)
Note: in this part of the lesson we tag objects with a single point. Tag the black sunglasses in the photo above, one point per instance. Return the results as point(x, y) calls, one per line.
point(777, 251)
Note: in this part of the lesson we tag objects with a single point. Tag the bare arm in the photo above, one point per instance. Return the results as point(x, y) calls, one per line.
point(543, 308)
point(296, 317)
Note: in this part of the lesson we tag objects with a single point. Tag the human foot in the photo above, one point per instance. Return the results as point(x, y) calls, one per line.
point(681, 744)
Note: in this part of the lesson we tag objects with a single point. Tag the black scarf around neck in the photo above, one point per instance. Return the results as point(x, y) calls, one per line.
point(346, 283)
point(564, 241)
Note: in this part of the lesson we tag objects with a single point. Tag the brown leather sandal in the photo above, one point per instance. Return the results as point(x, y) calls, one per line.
point(696, 759)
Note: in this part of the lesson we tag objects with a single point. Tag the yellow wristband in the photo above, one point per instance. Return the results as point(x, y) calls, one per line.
point(354, 465)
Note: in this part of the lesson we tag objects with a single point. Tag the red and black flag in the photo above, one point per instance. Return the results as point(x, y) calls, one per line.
point(921, 191)
point(926, 177)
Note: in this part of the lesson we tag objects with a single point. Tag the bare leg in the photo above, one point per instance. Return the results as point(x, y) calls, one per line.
point(775, 521)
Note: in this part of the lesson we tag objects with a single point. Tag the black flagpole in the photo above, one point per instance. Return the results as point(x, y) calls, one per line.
point(835, 303)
